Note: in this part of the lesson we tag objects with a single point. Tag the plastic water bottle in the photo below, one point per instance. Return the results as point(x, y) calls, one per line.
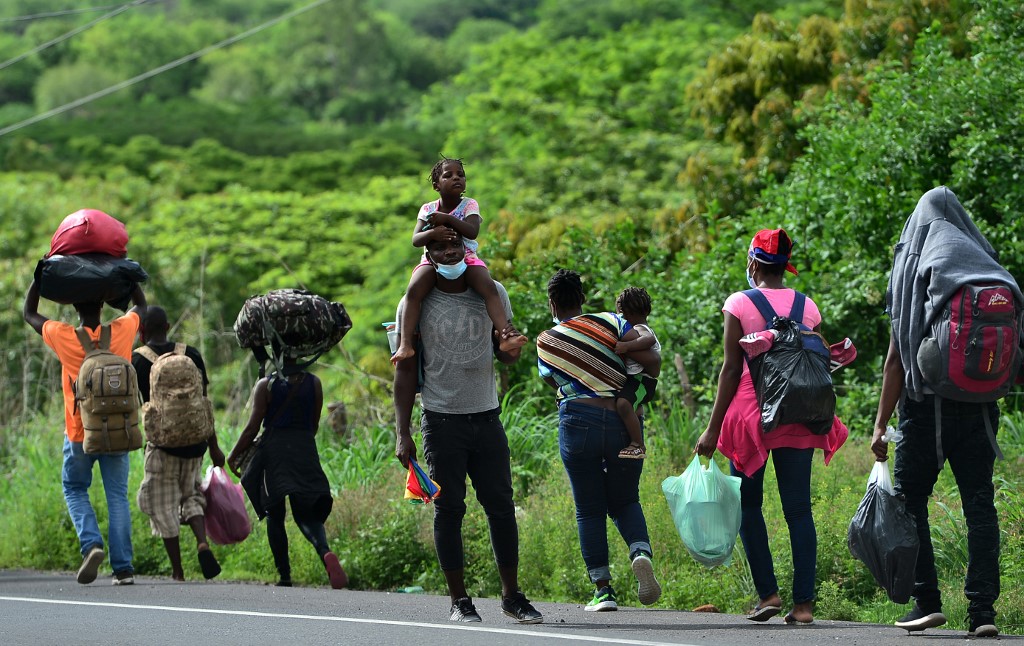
point(892, 435)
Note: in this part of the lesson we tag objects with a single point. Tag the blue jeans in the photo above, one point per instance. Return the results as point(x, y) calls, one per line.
point(793, 473)
point(474, 445)
point(971, 457)
point(76, 476)
point(603, 484)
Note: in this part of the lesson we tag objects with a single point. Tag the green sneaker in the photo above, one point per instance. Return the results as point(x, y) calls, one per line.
point(603, 601)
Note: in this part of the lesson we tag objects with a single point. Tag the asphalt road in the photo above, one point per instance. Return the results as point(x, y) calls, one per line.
point(38, 608)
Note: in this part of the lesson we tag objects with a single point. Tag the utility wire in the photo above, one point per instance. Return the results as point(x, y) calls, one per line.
point(76, 30)
point(54, 14)
point(159, 70)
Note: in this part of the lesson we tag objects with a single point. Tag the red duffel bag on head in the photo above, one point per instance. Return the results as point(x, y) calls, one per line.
point(89, 231)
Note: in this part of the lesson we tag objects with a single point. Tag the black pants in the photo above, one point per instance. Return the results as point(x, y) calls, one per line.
point(475, 445)
point(971, 457)
point(308, 523)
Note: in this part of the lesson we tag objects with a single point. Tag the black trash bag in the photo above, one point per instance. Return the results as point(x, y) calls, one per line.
point(89, 278)
point(793, 381)
point(883, 536)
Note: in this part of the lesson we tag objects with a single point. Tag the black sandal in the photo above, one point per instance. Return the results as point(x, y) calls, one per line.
point(208, 563)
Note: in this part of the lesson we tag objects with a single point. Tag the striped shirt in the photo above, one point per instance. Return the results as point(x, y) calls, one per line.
point(579, 355)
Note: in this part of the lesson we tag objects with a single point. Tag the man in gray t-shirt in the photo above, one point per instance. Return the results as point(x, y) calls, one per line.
point(462, 432)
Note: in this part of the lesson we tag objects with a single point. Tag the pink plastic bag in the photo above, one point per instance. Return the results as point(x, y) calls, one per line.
point(227, 520)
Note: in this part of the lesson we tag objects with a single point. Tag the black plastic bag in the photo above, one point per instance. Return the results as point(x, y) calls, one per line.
point(883, 535)
point(793, 380)
point(89, 278)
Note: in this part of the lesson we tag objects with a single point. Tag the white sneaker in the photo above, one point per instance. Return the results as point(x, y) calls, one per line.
point(649, 590)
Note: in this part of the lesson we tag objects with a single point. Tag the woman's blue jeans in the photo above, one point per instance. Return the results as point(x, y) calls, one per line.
point(793, 473)
point(603, 484)
point(76, 476)
point(966, 446)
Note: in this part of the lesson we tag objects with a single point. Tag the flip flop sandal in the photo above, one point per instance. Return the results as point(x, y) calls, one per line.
point(335, 573)
point(793, 621)
point(208, 564)
point(764, 613)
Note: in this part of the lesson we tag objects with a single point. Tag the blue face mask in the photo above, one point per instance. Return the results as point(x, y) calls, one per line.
point(451, 272)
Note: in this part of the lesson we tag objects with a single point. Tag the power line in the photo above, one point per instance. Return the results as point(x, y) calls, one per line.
point(54, 14)
point(76, 30)
point(159, 70)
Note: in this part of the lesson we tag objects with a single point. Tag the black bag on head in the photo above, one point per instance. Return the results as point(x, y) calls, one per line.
point(300, 323)
point(792, 379)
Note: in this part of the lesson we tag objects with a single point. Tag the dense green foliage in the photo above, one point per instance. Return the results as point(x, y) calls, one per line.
point(639, 142)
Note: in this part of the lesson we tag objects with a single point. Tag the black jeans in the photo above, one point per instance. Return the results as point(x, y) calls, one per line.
point(474, 445)
point(971, 457)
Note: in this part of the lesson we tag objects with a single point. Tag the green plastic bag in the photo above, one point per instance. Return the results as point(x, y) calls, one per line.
point(705, 506)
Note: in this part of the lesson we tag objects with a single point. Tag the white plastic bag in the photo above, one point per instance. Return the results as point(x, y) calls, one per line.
point(880, 477)
point(705, 506)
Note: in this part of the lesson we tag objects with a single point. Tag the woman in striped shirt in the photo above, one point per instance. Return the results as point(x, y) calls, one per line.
point(577, 358)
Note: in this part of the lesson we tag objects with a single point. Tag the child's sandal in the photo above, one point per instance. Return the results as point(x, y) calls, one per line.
point(633, 452)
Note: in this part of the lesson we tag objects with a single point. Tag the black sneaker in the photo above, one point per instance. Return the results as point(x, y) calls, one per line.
point(124, 577)
point(518, 607)
point(918, 619)
point(603, 601)
point(983, 627)
point(463, 610)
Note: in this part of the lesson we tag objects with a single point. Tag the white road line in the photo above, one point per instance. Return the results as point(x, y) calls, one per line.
point(386, 622)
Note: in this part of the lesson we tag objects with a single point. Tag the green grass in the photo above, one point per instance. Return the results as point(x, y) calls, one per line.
point(386, 543)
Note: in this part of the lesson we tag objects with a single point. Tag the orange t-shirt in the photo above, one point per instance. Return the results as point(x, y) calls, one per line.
point(62, 340)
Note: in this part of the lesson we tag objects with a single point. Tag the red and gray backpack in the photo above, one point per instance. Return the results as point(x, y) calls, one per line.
point(973, 351)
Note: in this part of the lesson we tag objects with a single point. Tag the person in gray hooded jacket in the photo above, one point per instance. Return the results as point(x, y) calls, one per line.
point(939, 250)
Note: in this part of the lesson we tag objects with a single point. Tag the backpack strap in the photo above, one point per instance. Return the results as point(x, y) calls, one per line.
point(179, 348)
point(763, 306)
point(88, 344)
point(83, 337)
point(938, 432)
point(148, 353)
point(991, 433)
point(796, 314)
point(760, 301)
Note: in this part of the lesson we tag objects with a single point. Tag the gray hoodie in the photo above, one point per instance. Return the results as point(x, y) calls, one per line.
point(939, 250)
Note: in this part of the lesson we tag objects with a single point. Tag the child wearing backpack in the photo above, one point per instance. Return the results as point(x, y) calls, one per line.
point(954, 350)
point(287, 405)
point(443, 219)
point(77, 469)
point(178, 422)
point(634, 305)
point(735, 429)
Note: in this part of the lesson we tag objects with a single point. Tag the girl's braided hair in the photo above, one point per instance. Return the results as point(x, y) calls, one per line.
point(435, 172)
point(634, 299)
point(565, 289)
